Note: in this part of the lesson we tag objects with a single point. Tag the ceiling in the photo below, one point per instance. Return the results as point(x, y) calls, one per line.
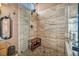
point(37, 6)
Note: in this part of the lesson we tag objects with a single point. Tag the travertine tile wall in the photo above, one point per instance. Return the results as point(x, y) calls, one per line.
point(33, 22)
point(10, 9)
point(54, 27)
point(24, 27)
point(20, 27)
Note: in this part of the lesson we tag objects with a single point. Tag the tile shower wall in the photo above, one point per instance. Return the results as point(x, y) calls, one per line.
point(10, 9)
point(23, 32)
point(54, 27)
point(33, 23)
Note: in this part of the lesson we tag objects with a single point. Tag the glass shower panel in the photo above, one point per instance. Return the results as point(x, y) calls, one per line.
point(73, 27)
